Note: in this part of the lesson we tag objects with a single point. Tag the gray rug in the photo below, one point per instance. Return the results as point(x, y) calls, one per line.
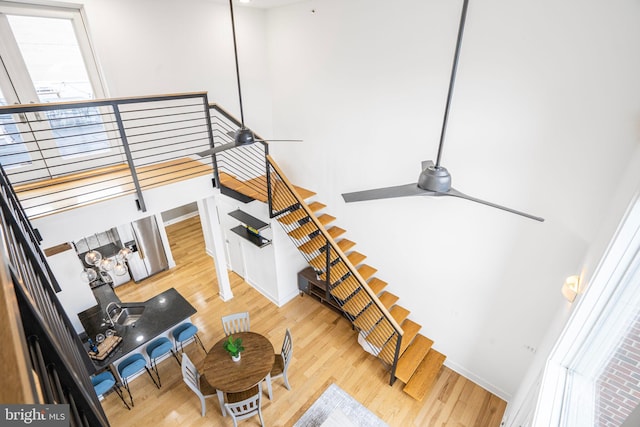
point(335, 407)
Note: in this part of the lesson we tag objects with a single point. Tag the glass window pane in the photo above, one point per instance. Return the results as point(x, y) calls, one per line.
point(53, 58)
point(13, 152)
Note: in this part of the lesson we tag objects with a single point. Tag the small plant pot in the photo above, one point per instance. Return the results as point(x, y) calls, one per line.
point(236, 358)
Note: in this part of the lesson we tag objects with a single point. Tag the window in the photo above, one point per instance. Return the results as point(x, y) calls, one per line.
point(46, 57)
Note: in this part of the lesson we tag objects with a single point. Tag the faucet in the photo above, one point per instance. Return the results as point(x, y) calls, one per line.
point(108, 311)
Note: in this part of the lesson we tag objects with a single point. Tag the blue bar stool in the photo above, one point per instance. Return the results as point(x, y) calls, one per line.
point(105, 381)
point(131, 366)
point(157, 349)
point(185, 332)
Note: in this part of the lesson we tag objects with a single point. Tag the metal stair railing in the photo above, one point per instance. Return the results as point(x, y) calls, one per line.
point(48, 355)
point(284, 198)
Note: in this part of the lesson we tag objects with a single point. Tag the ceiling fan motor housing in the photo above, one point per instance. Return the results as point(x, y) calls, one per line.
point(435, 178)
point(244, 136)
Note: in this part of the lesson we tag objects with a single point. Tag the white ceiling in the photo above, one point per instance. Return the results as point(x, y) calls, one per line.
point(262, 4)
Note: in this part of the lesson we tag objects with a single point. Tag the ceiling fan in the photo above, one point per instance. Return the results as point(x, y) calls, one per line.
point(434, 180)
point(242, 136)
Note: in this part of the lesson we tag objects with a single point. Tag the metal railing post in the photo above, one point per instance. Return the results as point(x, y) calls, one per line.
point(127, 151)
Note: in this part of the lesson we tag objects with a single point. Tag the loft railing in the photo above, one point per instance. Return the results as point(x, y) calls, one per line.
point(246, 164)
point(343, 282)
point(43, 357)
point(61, 156)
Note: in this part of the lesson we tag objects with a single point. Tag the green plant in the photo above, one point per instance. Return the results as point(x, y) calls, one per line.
point(233, 346)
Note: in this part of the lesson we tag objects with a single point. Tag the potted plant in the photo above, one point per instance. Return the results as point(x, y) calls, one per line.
point(234, 347)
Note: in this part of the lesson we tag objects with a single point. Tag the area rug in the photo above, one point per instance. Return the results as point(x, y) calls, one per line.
point(335, 407)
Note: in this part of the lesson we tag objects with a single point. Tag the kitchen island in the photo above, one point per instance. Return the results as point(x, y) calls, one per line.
point(154, 318)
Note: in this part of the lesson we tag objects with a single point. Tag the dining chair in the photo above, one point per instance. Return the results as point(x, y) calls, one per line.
point(157, 349)
point(234, 323)
point(196, 382)
point(245, 404)
point(130, 367)
point(185, 332)
point(105, 381)
point(281, 363)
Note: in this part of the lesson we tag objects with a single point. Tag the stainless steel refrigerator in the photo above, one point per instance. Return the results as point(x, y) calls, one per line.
point(148, 256)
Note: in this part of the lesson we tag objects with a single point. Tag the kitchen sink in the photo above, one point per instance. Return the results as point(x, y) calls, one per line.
point(129, 315)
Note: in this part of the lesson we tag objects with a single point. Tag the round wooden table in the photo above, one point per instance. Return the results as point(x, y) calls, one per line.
point(227, 376)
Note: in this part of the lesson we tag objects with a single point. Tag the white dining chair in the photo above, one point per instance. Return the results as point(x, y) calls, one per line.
point(234, 323)
point(196, 382)
point(245, 404)
point(281, 363)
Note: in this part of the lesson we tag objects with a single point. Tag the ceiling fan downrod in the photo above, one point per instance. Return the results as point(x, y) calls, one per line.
point(454, 69)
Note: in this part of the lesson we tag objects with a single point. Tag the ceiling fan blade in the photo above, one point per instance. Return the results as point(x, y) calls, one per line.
point(278, 140)
point(455, 193)
point(406, 190)
point(217, 149)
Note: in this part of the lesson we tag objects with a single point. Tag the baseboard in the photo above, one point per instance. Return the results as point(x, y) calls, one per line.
point(264, 293)
point(480, 381)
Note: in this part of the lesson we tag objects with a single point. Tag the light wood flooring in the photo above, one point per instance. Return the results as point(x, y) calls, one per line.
point(325, 352)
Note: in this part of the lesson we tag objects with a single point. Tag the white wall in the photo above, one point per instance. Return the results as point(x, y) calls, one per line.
point(149, 47)
point(544, 119)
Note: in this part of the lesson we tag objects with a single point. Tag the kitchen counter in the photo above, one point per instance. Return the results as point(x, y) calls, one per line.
point(160, 314)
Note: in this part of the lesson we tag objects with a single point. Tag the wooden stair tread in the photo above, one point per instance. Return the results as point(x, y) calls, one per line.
point(388, 299)
point(345, 288)
point(368, 318)
point(356, 257)
point(293, 216)
point(388, 351)
point(424, 377)
point(366, 271)
point(326, 219)
point(313, 245)
point(377, 285)
point(335, 231)
point(320, 262)
point(304, 193)
point(357, 303)
point(316, 206)
point(411, 330)
point(303, 231)
point(381, 333)
point(411, 358)
point(345, 244)
point(399, 313)
point(337, 272)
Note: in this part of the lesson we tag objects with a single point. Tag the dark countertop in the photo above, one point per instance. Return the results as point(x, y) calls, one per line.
point(160, 313)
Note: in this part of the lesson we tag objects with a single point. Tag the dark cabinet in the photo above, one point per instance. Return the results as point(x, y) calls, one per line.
point(310, 284)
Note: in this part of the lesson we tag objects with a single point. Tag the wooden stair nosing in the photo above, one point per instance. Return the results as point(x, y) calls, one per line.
point(366, 271)
point(356, 257)
point(412, 357)
point(424, 377)
point(304, 193)
point(388, 299)
point(399, 313)
point(377, 285)
point(345, 244)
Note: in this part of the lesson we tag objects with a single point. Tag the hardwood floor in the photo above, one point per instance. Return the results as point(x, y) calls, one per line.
point(325, 352)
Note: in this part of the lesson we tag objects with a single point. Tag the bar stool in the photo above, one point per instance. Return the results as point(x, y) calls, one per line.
point(105, 381)
point(156, 349)
point(131, 366)
point(185, 332)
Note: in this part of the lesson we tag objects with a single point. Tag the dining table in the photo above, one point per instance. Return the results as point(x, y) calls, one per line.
point(228, 376)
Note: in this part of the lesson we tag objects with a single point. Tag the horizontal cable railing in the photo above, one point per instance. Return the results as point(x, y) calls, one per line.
point(245, 164)
point(344, 284)
point(57, 360)
point(61, 156)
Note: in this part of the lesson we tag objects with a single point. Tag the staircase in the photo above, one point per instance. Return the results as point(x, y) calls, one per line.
point(383, 325)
